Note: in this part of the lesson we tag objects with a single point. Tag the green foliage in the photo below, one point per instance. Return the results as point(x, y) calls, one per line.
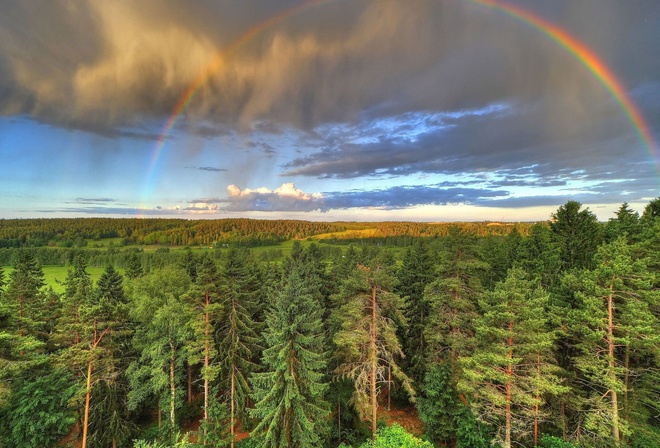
point(452, 297)
point(578, 234)
point(38, 413)
point(134, 266)
point(626, 223)
point(439, 406)
point(548, 441)
point(214, 430)
point(614, 316)
point(395, 437)
point(163, 332)
point(470, 432)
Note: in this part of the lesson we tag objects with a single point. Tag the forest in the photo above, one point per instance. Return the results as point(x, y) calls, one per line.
point(253, 333)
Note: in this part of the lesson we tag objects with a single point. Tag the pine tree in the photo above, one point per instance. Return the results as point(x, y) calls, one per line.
point(367, 343)
point(511, 370)
point(614, 317)
point(289, 395)
point(237, 332)
point(189, 264)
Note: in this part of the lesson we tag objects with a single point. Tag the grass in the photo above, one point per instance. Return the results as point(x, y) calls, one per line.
point(54, 276)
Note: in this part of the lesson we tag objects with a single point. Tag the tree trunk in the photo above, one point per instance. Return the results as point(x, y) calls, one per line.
point(374, 364)
point(611, 364)
point(88, 388)
point(207, 349)
point(88, 393)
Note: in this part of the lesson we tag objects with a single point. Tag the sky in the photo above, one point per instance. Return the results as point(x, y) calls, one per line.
point(359, 110)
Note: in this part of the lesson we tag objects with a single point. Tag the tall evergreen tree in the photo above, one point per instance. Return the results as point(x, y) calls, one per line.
point(289, 395)
point(367, 343)
point(651, 211)
point(453, 298)
point(134, 266)
point(22, 294)
point(625, 223)
point(511, 370)
point(237, 332)
point(539, 256)
point(203, 297)
point(415, 274)
point(77, 293)
point(578, 234)
point(614, 318)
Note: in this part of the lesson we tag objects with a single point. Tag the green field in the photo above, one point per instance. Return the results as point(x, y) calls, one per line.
point(54, 276)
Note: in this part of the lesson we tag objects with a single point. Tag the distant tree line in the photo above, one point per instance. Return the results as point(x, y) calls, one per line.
point(77, 232)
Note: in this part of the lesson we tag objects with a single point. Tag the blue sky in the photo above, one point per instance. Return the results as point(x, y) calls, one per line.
point(432, 110)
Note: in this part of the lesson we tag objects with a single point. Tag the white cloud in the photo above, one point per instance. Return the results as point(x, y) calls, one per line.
point(284, 198)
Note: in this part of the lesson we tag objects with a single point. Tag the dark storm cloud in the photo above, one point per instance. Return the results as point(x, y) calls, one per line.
point(496, 139)
point(107, 64)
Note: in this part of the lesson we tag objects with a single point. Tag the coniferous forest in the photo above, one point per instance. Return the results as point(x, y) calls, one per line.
point(226, 334)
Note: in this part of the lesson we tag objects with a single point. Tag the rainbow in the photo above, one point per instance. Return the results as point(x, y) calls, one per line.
point(571, 44)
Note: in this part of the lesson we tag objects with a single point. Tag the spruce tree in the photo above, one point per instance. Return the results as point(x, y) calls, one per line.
point(289, 395)
point(415, 274)
point(23, 292)
point(453, 298)
point(134, 266)
point(237, 332)
point(578, 233)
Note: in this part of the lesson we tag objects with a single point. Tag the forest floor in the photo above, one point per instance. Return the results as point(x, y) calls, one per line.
point(407, 417)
